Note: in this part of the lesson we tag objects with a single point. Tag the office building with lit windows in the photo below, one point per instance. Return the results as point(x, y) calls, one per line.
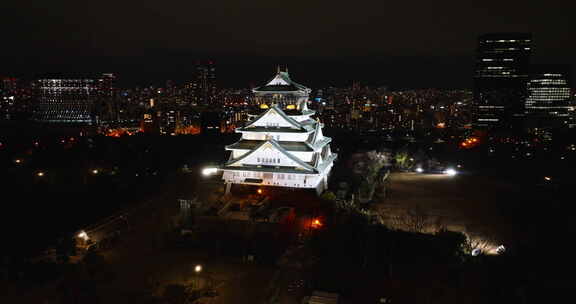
point(282, 146)
point(8, 97)
point(205, 85)
point(71, 100)
point(500, 77)
point(549, 103)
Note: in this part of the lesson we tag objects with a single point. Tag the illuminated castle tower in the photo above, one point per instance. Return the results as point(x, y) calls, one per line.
point(282, 146)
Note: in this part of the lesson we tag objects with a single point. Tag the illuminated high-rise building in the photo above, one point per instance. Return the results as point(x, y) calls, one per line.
point(8, 97)
point(501, 73)
point(549, 103)
point(72, 100)
point(205, 83)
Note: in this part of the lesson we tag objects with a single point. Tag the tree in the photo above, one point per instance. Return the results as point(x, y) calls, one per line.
point(402, 159)
point(328, 196)
point(65, 248)
point(94, 262)
point(450, 244)
point(413, 220)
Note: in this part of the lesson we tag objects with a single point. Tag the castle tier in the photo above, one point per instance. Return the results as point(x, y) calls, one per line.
point(281, 147)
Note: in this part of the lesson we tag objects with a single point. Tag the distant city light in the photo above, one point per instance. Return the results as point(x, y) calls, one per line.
point(198, 268)
point(259, 191)
point(95, 171)
point(419, 170)
point(40, 174)
point(547, 178)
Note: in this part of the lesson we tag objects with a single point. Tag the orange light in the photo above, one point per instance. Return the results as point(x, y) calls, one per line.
point(259, 191)
point(316, 223)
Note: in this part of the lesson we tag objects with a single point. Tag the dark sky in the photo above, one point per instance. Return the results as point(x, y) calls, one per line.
point(124, 34)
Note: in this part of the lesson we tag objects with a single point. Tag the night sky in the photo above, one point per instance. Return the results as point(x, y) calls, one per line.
point(410, 41)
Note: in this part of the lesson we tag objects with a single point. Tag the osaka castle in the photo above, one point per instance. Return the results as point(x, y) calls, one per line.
point(282, 146)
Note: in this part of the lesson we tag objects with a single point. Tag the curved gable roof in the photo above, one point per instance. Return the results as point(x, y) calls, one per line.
point(281, 82)
point(278, 147)
point(277, 110)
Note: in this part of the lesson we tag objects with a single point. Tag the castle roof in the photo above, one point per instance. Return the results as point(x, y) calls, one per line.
point(274, 145)
point(246, 144)
point(281, 82)
point(285, 123)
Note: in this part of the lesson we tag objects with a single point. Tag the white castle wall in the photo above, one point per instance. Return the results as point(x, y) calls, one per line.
point(304, 156)
point(275, 179)
point(278, 136)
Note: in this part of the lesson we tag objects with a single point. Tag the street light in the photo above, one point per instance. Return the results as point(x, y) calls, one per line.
point(196, 277)
point(95, 171)
point(209, 171)
point(40, 174)
point(83, 235)
point(450, 172)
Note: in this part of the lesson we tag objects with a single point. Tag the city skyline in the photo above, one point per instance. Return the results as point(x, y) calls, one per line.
point(393, 72)
point(161, 41)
